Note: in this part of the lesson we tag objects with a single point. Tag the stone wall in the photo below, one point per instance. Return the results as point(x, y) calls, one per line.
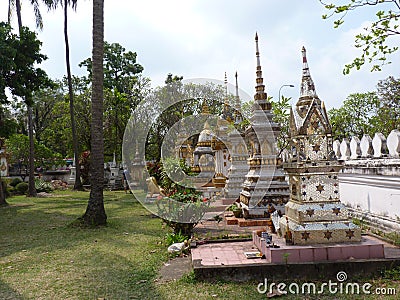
point(370, 179)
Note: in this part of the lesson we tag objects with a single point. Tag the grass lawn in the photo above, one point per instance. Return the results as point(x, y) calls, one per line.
point(43, 257)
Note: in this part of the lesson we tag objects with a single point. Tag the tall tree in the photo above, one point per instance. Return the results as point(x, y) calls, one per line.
point(373, 42)
point(75, 140)
point(6, 66)
point(121, 77)
point(32, 189)
point(75, 143)
point(95, 213)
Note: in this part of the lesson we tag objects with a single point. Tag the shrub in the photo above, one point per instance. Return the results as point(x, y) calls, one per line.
point(172, 238)
point(10, 191)
point(15, 181)
point(183, 206)
point(43, 186)
point(22, 188)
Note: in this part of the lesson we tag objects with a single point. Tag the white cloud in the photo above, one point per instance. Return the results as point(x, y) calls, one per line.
point(205, 38)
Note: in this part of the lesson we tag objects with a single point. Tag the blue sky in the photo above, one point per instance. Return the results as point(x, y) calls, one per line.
point(206, 38)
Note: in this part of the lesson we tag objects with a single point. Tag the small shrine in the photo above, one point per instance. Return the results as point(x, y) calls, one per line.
point(265, 189)
point(137, 170)
point(219, 143)
point(203, 154)
point(239, 154)
point(3, 159)
point(314, 213)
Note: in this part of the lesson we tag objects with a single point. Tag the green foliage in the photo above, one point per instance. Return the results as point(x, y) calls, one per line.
point(171, 238)
point(188, 204)
point(15, 181)
point(280, 109)
point(25, 78)
point(22, 188)
point(43, 186)
point(7, 127)
point(7, 53)
point(373, 42)
point(392, 274)
point(174, 102)
point(356, 116)
point(124, 88)
point(18, 146)
point(232, 207)
point(368, 113)
point(389, 112)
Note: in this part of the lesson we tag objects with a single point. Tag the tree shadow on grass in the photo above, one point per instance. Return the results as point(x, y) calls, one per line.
point(121, 259)
point(23, 227)
point(8, 293)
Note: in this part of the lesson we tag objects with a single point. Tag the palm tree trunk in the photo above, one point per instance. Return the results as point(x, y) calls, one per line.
point(95, 213)
point(78, 183)
point(18, 6)
point(31, 190)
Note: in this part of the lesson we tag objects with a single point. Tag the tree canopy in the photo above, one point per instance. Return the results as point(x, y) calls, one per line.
point(368, 113)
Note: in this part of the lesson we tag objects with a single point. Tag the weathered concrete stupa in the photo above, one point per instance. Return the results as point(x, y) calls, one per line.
point(239, 154)
point(219, 143)
point(265, 188)
point(314, 211)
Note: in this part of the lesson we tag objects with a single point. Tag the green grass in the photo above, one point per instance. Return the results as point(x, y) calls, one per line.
point(43, 257)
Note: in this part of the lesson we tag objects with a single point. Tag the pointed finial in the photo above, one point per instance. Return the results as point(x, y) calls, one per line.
point(226, 87)
point(238, 116)
point(307, 85)
point(260, 95)
point(237, 88)
point(257, 52)
point(306, 70)
point(307, 88)
point(226, 113)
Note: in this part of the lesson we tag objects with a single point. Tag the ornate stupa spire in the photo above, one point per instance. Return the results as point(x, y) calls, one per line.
point(260, 95)
point(307, 87)
point(264, 188)
point(237, 102)
point(238, 116)
point(226, 113)
point(226, 87)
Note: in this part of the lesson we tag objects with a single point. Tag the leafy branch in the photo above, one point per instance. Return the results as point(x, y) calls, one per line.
point(373, 41)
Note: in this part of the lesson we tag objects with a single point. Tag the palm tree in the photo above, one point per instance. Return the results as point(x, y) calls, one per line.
point(95, 213)
point(39, 24)
point(65, 3)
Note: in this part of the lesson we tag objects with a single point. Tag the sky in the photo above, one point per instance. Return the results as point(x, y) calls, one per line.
point(206, 38)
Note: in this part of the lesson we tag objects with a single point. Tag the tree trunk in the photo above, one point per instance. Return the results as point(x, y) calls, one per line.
point(18, 6)
point(3, 201)
point(78, 183)
point(95, 213)
point(32, 189)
